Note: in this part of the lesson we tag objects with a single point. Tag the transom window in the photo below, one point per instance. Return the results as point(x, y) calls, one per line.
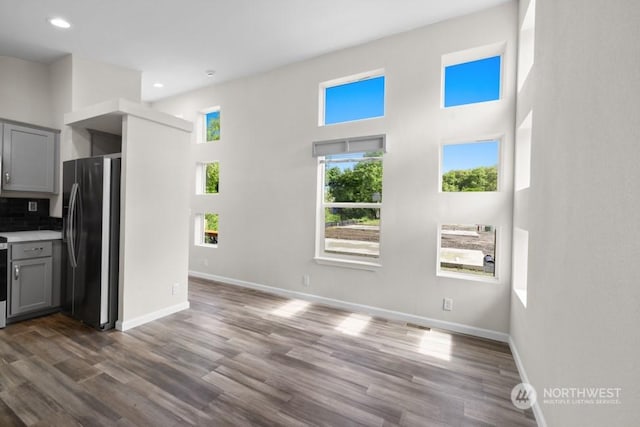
point(472, 82)
point(352, 98)
point(350, 193)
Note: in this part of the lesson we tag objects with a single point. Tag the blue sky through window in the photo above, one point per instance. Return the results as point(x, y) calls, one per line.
point(472, 82)
point(469, 156)
point(363, 99)
point(211, 116)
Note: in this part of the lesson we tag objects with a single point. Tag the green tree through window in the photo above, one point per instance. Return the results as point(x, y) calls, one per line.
point(213, 178)
point(361, 183)
point(477, 179)
point(213, 126)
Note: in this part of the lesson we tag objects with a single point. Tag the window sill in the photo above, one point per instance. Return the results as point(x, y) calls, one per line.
point(357, 265)
point(205, 245)
point(469, 277)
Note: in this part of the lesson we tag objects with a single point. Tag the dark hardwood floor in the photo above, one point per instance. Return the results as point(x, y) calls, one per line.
point(242, 357)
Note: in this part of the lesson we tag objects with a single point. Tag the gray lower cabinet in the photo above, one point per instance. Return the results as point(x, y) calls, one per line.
point(29, 158)
point(31, 285)
point(34, 286)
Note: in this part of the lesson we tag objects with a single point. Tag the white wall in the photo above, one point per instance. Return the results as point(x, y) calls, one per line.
point(61, 84)
point(41, 94)
point(154, 221)
point(580, 326)
point(29, 94)
point(24, 92)
point(268, 176)
point(95, 82)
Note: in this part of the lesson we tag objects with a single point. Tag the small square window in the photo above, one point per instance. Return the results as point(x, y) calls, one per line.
point(208, 178)
point(468, 250)
point(212, 126)
point(358, 99)
point(470, 166)
point(206, 229)
point(472, 82)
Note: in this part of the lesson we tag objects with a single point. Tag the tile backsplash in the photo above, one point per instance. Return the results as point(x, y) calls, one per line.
point(21, 214)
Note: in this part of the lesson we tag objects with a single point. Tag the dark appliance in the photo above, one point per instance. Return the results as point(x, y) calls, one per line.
point(91, 240)
point(3, 282)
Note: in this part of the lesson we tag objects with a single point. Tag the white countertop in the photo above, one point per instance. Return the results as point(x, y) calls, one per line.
point(28, 236)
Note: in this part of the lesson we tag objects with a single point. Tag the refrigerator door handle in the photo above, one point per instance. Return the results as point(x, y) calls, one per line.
point(71, 218)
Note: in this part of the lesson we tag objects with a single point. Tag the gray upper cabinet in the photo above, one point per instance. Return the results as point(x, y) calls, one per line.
point(29, 159)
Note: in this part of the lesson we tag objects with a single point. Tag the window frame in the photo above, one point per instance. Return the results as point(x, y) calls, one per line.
point(201, 178)
point(202, 137)
point(526, 44)
point(470, 55)
point(499, 138)
point(354, 78)
point(199, 228)
point(520, 264)
point(469, 276)
point(522, 162)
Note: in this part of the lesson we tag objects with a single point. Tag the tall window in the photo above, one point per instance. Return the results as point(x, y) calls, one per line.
point(350, 198)
point(352, 98)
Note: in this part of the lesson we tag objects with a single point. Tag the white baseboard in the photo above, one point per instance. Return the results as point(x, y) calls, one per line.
point(379, 312)
point(537, 410)
point(140, 320)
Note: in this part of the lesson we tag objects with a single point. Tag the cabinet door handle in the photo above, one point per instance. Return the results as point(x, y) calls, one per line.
point(7, 177)
point(16, 272)
point(32, 249)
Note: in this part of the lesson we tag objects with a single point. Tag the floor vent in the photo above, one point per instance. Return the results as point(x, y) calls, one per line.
point(413, 325)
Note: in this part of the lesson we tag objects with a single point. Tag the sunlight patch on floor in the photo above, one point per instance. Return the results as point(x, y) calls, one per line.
point(354, 324)
point(436, 344)
point(291, 308)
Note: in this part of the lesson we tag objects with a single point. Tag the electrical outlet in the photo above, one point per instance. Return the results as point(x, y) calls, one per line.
point(447, 304)
point(175, 288)
point(205, 262)
point(306, 280)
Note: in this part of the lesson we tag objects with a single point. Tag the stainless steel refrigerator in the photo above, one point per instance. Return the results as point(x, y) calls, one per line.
point(91, 238)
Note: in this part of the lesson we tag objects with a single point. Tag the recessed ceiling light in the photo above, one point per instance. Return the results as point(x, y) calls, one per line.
point(210, 73)
point(158, 85)
point(60, 23)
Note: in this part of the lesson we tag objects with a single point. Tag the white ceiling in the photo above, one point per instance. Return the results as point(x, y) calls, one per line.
point(175, 41)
